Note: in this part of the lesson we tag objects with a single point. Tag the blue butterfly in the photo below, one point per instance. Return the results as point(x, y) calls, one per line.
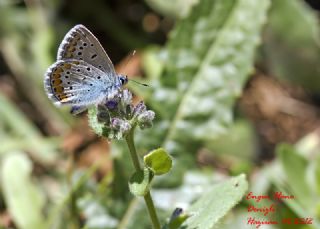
point(83, 74)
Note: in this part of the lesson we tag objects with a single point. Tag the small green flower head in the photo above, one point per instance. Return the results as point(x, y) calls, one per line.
point(116, 117)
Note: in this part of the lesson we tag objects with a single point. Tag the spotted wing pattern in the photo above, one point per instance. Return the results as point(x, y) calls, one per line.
point(77, 83)
point(79, 43)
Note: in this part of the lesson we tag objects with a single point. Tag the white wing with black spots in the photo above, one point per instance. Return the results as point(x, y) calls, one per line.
point(79, 43)
point(77, 83)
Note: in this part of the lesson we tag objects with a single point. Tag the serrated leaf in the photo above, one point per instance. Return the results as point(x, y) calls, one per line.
point(291, 43)
point(158, 161)
point(23, 198)
point(139, 183)
point(216, 203)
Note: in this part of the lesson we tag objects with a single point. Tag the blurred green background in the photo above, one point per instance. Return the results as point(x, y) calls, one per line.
point(234, 84)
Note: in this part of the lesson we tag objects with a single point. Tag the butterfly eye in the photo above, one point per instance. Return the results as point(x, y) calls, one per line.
point(123, 80)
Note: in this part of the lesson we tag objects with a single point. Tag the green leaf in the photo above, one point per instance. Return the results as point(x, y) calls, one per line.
point(19, 128)
point(211, 76)
point(207, 61)
point(139, 183)
point(97, 127)
point(317, 175)
point(295, 168)
point(177, 218)
point(204, 72)
point(278, 174)
point(216, 203)
point(24, 199)
point(291, 43)
point(65, 214)
point(177, 8)
point(239, 141)
point(158, 161)
point(174, 224)
point(308, 147)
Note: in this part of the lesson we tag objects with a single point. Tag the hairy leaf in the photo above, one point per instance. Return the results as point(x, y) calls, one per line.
point(216, 203)
point(207, 61)
point(158, 161)
point(139, 183)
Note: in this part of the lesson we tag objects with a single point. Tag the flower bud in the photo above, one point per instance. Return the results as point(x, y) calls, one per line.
point(111, 104)
point(103, 116)
point(120, 127)
point(126, 97)
point(139, 109)
point(145, 119)
point(116, 117)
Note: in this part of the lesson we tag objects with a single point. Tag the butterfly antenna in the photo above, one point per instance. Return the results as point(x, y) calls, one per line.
point(125, 65)
point(143, 84)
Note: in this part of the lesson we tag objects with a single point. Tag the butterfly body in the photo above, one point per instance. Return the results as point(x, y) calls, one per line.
point(83, 74)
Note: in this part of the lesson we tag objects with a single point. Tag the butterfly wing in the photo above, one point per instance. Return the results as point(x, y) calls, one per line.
point(77, 83)
point(79, 43)
point(77, 109)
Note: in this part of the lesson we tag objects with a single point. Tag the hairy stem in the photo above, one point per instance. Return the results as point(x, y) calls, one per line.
point(147, 198)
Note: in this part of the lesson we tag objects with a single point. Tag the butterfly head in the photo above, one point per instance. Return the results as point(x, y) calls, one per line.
point(123, 79)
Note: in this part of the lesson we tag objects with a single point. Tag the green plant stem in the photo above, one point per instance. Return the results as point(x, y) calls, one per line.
point(152, 210)
point(132, 150)
point(147, 198)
